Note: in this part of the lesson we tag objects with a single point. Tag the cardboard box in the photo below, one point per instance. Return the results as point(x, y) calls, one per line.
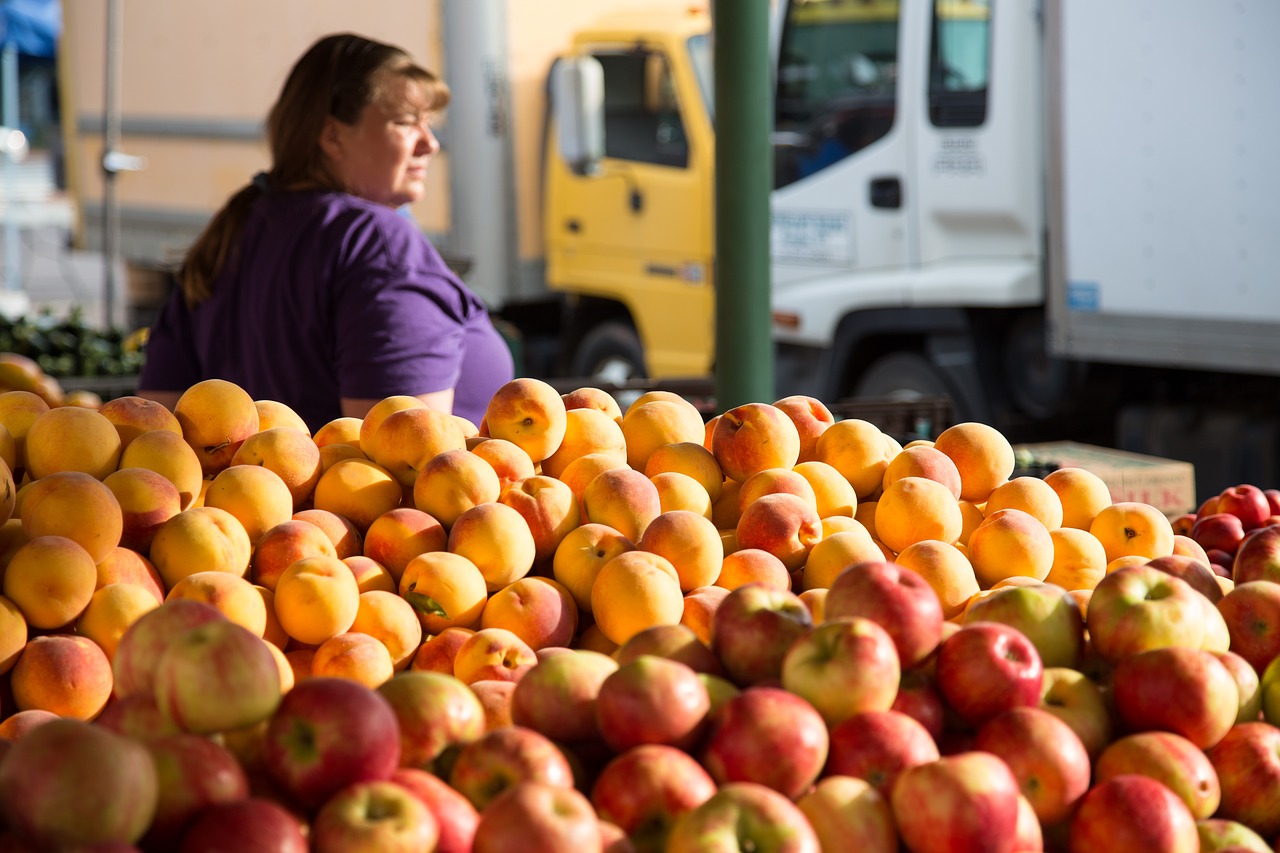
point(1167, 484)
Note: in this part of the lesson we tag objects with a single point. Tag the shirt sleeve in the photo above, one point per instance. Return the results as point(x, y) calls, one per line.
point(171, 361)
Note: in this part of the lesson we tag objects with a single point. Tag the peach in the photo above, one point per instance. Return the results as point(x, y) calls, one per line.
point(77, 506)
point(972, 516)
point(865, 514)
point(1010, 542)
point(690, 542)
point(358, 490)
point(751, 565)
point(981, 454)
point(633, 591)
point(1083, 495)
point(399, 535)
point(299, 661)
point(288, 452)
point(378, 413)
point(344, 430)
point(699, 609)
point(946, 569)
point(538, 610)
point(624, 499)
point(408, 439)
point(592, 398)
point(580, 472)
point(857, 449)
point(580, 556)
point(724, 509)
point(13, 634)
point(681, 492)
point(654, 395)
point(72, 439)
point(496, 699)
point(453, 482)
point(112, 609)
point(390, 620)
point(784, 525)
point(811, 417)
point(256, 496)
point(587, 430)
point(273, 632)
point(436, 654)
point(171, 457)
point(1187, 547)
point(832, 493)
point(316, 598)
point(347, 541)
point(332, 454)
point(283, 545)
point(1129, 528)
point(1125, 561)
point(200, 539)
point(592, 639)
point(8, 449)
point(833, 524)
point(51, 580)
point(837, 552)
point(445, 591)
point(691, 459)
point(124, 565)
point(15, 727)
point(272, 414)
point(233, 596)
point(147, 500)
point(657, 423)
point(776, 481)
point(754, 437)
point(132, 416)
point(216, 417)
point(370, 574)
point(1079, 560)
point(508, 461)
point(816, 602)
point(1031, 495)
point(287, 677)
point(529, 413)
point(923, 461)
point(356, 657)
point(493, 654)
point(65, 675)
point(18, 410)
point(497, 539)
point(549, 509)
point(914, 509)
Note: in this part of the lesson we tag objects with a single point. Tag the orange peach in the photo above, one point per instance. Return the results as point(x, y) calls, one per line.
point(1029, 494)
point(256, 496)
point(51, 580)
point(18, 410)
point(132, 415)
point(587, 430)
point(857, 449)
point(399, 535)
point(657, 423)
point(1125, 561)
point(370, 574)
point(72, 439)
point(288, 452)
point(633, 591)
point(837, 552)
point(453, 482)
point(1188, 547)
point(865, 514)
point(216, 417)
point(332, 454)
point(548, 507)
point(65, 675)
point(691, 459)
point(690, 542)
point(287, 679)
point(274, 632)
point(285, 544)
point(508, 461)
point(699, 609)
point(972, 516)
point(833, 494)
point(171, 457)
point(1079, 560)
point(654, 395)
point(1010, 542)
point(437, 653)
point(378, 413)
point(811, 417)
point(1083, 495)
point(299, 661)
point(624, 499)
point(8, 449)
point(581, 555)
point(592, 398)
point(112, 609)
point(233, 596)
point(272, 414)
point(408, 439)
point(355, 657)
point(390, 620)
point(982, 455)
point(776, 481)
point(593, 639)
point(20, 724)
point(124, 565)
point(580, 472)
point(913, 509)
point(784, 525)
point(529, 413)
point(347, 541)
point(493, 654)
point(833, 524)
point(445, 591)
point(751, 565)
point(1132, 528)
point(77, 506)
point(200, 539)
point(13, 634)
point(358, 490)
point(724, 509)
point(923, 461)
point(147, 500)
point(344, 430)
point(538, 610)
point(754, 437)
point(316, 598)
point(497, 539)
point(496, 699)
point(816, 602)
point(681, 492)
point(946, 569)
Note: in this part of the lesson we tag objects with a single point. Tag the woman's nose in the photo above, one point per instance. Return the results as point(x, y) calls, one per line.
point(428, 144)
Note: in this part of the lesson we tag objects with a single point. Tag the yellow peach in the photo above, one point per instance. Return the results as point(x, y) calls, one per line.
point(529, 413)
point(837, 552)
point(132, 415)
point(18, 410)
point(390, 620)
point(1083, 495)
point(51, 580)
point(256, 496)
point(445, 590)
point(407, 440)
point(982, 455)
point(508, 461)
point(634, 591)
point(497, 539)
point(344, 430)
point(592, 398)
point(316, 598)
point(913, 509)
point(453, 482)
point(147, 500)
point(1010, 542)
point(657, 423)
point(691, 459)
point(831, 491)
point(754, 437)
point(811, 417)
point(1079, 560)
point(923, 461)
point(751, 565)
point(370, 574)
point(124, 565)
point(492, 654)
point(272, 414)
point(538, 610)
point(289, 453)
point(678, 491)
point(581, 555)
point(358, 490)
point(690, 542)
point(232, 595)
point(946, 569)
point(285, 544)
point(699, 609)
point(776, 481)
point(624, 499)
point(72, 439)
point(437, 653)
point(171, 457)
point(216, 417)
point(549, 509)
point(347, 541)
point(784, 525)
point(1031, 495)
point(1131, 528)
point(399, 535)
point(77, 506)
point(64, 675)
point(378, 413)
point(856, 448)
point(355, 657)
point(13, 634)
point(587, 430)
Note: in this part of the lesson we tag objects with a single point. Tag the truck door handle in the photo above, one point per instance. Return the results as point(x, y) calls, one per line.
point(573, 226)
point(886, 192)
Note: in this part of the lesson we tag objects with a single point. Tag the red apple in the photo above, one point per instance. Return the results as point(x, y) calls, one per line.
point(1078, 701)
point(1273, 500)
point(877, 746)
point(986, 668)
point(1046, 757)
point(219, 659)
point(752, 629)
point(538, 818)
point(1220, 530)
point(677, 642)
point(247, 826)
point(1248, 682)
point(843, 667)
point(141, 645)
point(1169, 759)
point(1129, 813)
point(1185, 691)
point(646, 789)
point(652, 700)
point(1248, 763)
point(558, 696)
point(374, 817)
point(1247, 503)
point(503, 758)
point(1258, 557)
point(744, 816)
point(1182, 524)
point(1218, 835)
point(1200, 575)
point(1047, 614)
point(433, 712)
point(849, 814)
point(1137, 608)
point(898, 599)
point(768, 736)
point(967, 801)
point(1252, 614)
point(918, 698)
point(136, 716)
point(455, 817)
point(193, 773)
point(329, 733)
point(1221, 562)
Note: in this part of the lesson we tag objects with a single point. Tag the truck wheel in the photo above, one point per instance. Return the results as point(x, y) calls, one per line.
point(902, 376)
point(610, 352)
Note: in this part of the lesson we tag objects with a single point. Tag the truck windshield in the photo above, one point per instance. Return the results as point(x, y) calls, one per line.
point(700, 56)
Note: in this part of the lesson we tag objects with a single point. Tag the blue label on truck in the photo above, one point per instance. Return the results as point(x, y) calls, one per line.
point(1083, 296)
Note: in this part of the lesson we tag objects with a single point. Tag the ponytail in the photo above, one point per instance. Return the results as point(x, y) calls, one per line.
point(213, 250)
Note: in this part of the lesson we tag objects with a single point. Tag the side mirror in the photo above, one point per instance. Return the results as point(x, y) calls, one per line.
point(577, 97)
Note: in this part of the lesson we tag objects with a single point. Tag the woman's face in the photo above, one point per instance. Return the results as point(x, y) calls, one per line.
point(383, 156)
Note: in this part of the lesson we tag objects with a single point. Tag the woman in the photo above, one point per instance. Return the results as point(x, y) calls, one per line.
point(308, 287)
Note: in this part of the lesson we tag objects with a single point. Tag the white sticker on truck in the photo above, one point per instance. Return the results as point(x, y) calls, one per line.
point(812, 237)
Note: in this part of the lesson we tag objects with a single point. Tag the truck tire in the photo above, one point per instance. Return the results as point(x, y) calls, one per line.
point(610, 352)
point(901, 376)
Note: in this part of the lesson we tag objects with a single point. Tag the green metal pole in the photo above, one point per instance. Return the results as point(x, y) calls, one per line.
point(744, 167)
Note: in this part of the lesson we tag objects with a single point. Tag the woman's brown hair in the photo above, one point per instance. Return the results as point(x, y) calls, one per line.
point(338, 76)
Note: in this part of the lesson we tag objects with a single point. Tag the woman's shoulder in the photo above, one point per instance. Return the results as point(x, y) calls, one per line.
point(372, 234)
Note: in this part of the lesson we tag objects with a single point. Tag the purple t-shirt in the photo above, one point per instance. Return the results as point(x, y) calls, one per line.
point(329, 296)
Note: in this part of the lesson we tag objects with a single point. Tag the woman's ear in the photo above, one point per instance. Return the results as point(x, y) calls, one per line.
point(331, 139)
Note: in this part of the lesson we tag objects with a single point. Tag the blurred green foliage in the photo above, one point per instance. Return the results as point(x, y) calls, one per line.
point(69, 347)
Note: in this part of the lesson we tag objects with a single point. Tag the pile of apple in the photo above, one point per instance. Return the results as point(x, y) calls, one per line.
point(574, 628)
